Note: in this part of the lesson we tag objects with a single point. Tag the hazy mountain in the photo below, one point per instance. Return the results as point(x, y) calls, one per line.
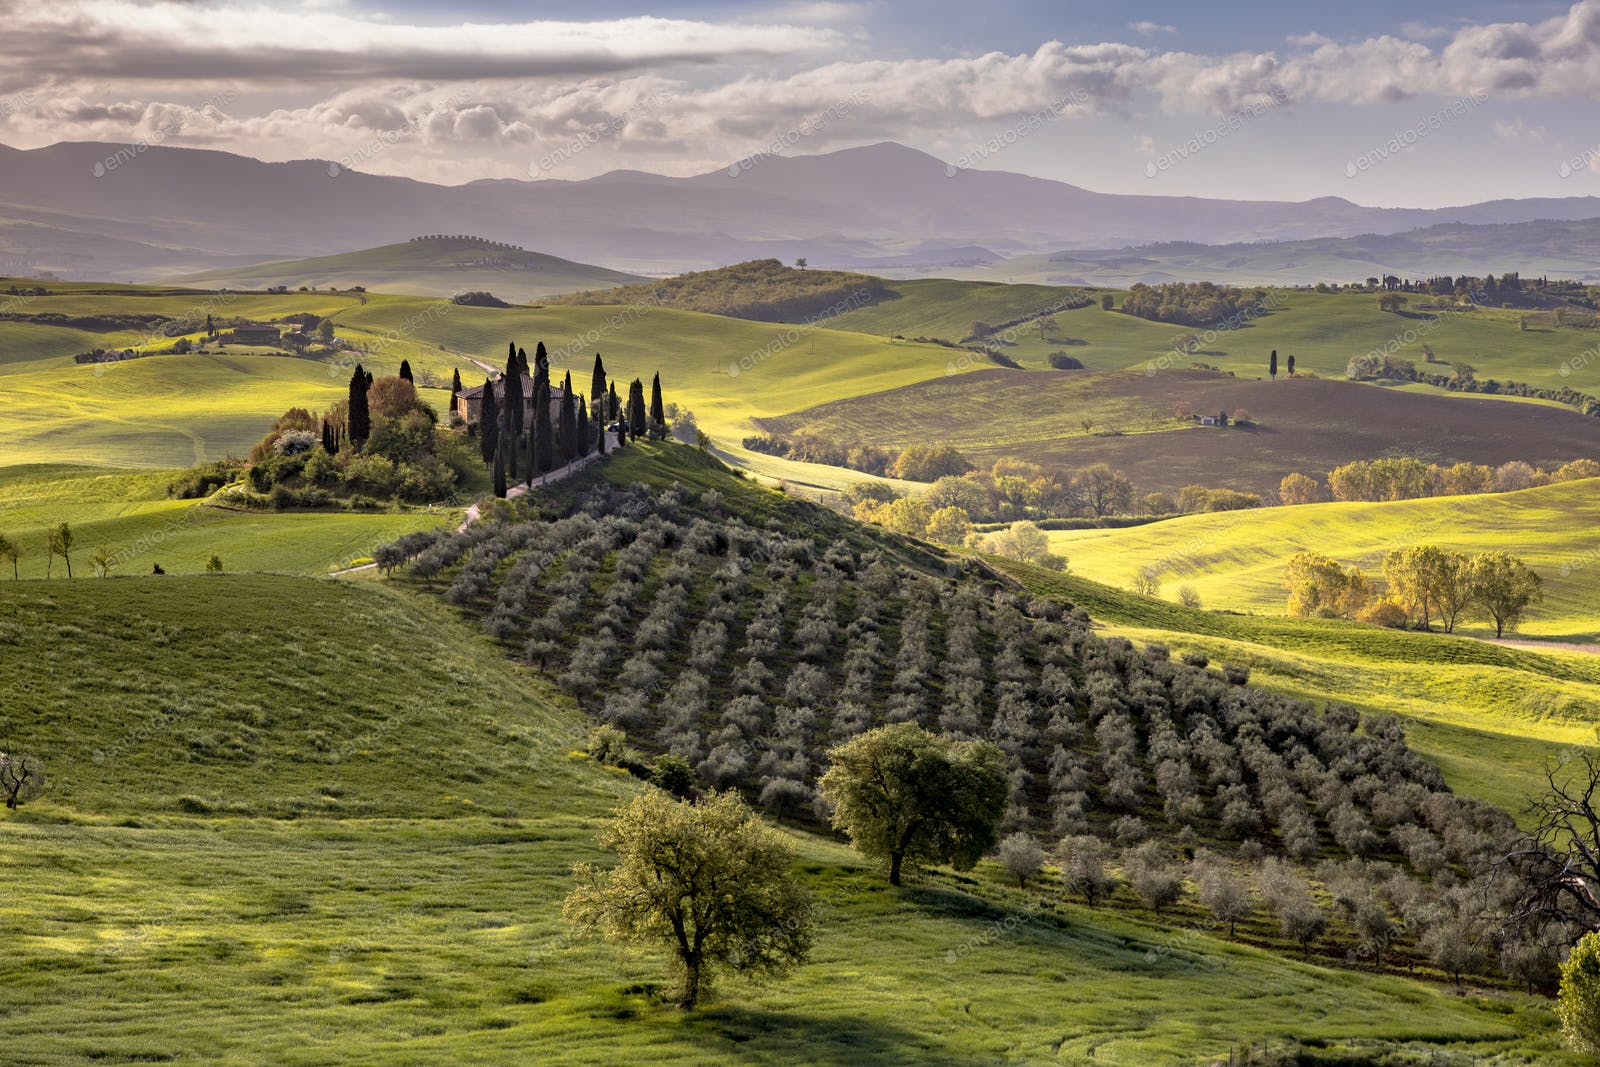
point(167, 210)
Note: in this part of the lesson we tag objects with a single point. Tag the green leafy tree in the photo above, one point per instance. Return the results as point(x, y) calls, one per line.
point(1502, 588)
point(214, 564)
point(911, 797)
point(358, 418)
point(1579, 1000)
point(59, 543)
point(325, 331)
point(709, 881)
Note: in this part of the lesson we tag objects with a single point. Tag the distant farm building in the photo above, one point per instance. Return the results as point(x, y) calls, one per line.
point(257, 335)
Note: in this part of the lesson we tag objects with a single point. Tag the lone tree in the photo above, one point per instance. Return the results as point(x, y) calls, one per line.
point(59, 543)
point(21, 779)
point(709, 880)
point(405, 370)
point(488, 424)
point(359, 417)
point(1272, 365)
point(455, 385)
point(1291, 364)
point(1579, 1001)
point(1554, 865)
point(906, 795)
point(1021, 856)
point(10, 551)
point(1501, 586)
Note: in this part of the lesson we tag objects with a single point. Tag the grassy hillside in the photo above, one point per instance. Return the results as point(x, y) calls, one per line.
point(1322, 330)
point(1067, 419)
point(1236, 560)
point(762, 289)
point(325, 823)
point(433, 267)
point(130, 517)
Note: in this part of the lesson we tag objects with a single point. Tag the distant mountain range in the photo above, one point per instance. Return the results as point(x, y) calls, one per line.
point(162, 211)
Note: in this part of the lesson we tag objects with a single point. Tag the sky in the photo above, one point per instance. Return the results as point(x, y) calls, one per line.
point(1393, 103)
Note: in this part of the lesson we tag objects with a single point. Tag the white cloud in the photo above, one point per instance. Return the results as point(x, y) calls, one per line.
point(1517, 130)
point(1308, 40)
point(1146, 28)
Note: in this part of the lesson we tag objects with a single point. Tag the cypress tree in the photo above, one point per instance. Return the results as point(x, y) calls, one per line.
point(569, 422)
point(585, 433)
point(500, 473)
point(522, 362)
point(511, 416)
point(369, 379)
point(405, 370)
point(488, 424)
point(1291, 365)
point(360, 418)
point(614, 407)
point(636, 412)
point(597, 382)
point(455, 385)
point(541, 358)
point(658, 413)
point(544, 457)
point(327, 438)
point(1272, 365)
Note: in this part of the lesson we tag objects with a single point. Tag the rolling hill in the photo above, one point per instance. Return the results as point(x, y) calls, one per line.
point(432, 266)
point(1236, 560)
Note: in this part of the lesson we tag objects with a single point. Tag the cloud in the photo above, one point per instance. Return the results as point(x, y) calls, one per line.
point(1308, 40)
point(167, 41)
point(1146, 28)
point(471, 100)
point(1517, 130)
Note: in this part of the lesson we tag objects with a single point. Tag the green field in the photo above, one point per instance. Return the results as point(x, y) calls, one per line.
point(1322, 330)
point(317, 822)
point(130, 517)
point(1235, 560)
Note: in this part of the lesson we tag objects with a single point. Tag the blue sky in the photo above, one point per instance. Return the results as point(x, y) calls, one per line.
point(1383, 103)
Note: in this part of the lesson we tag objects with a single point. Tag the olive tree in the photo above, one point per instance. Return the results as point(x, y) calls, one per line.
point(709, 880)
point(21, 779)
point(908, 796)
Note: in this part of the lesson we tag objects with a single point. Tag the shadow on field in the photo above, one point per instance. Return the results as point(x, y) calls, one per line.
point(841, 1040)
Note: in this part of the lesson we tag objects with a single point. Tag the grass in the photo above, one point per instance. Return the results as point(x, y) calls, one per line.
point(130, 516)
point(1235, 560)
point(322, 822)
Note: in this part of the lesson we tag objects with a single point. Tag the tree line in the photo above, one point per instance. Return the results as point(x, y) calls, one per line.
point(1424, 584)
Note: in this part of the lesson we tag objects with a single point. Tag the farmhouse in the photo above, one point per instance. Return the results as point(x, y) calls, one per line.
point(257, 335)
point(469, 402)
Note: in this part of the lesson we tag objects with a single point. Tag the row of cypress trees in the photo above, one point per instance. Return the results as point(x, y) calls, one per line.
point(577, 428)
